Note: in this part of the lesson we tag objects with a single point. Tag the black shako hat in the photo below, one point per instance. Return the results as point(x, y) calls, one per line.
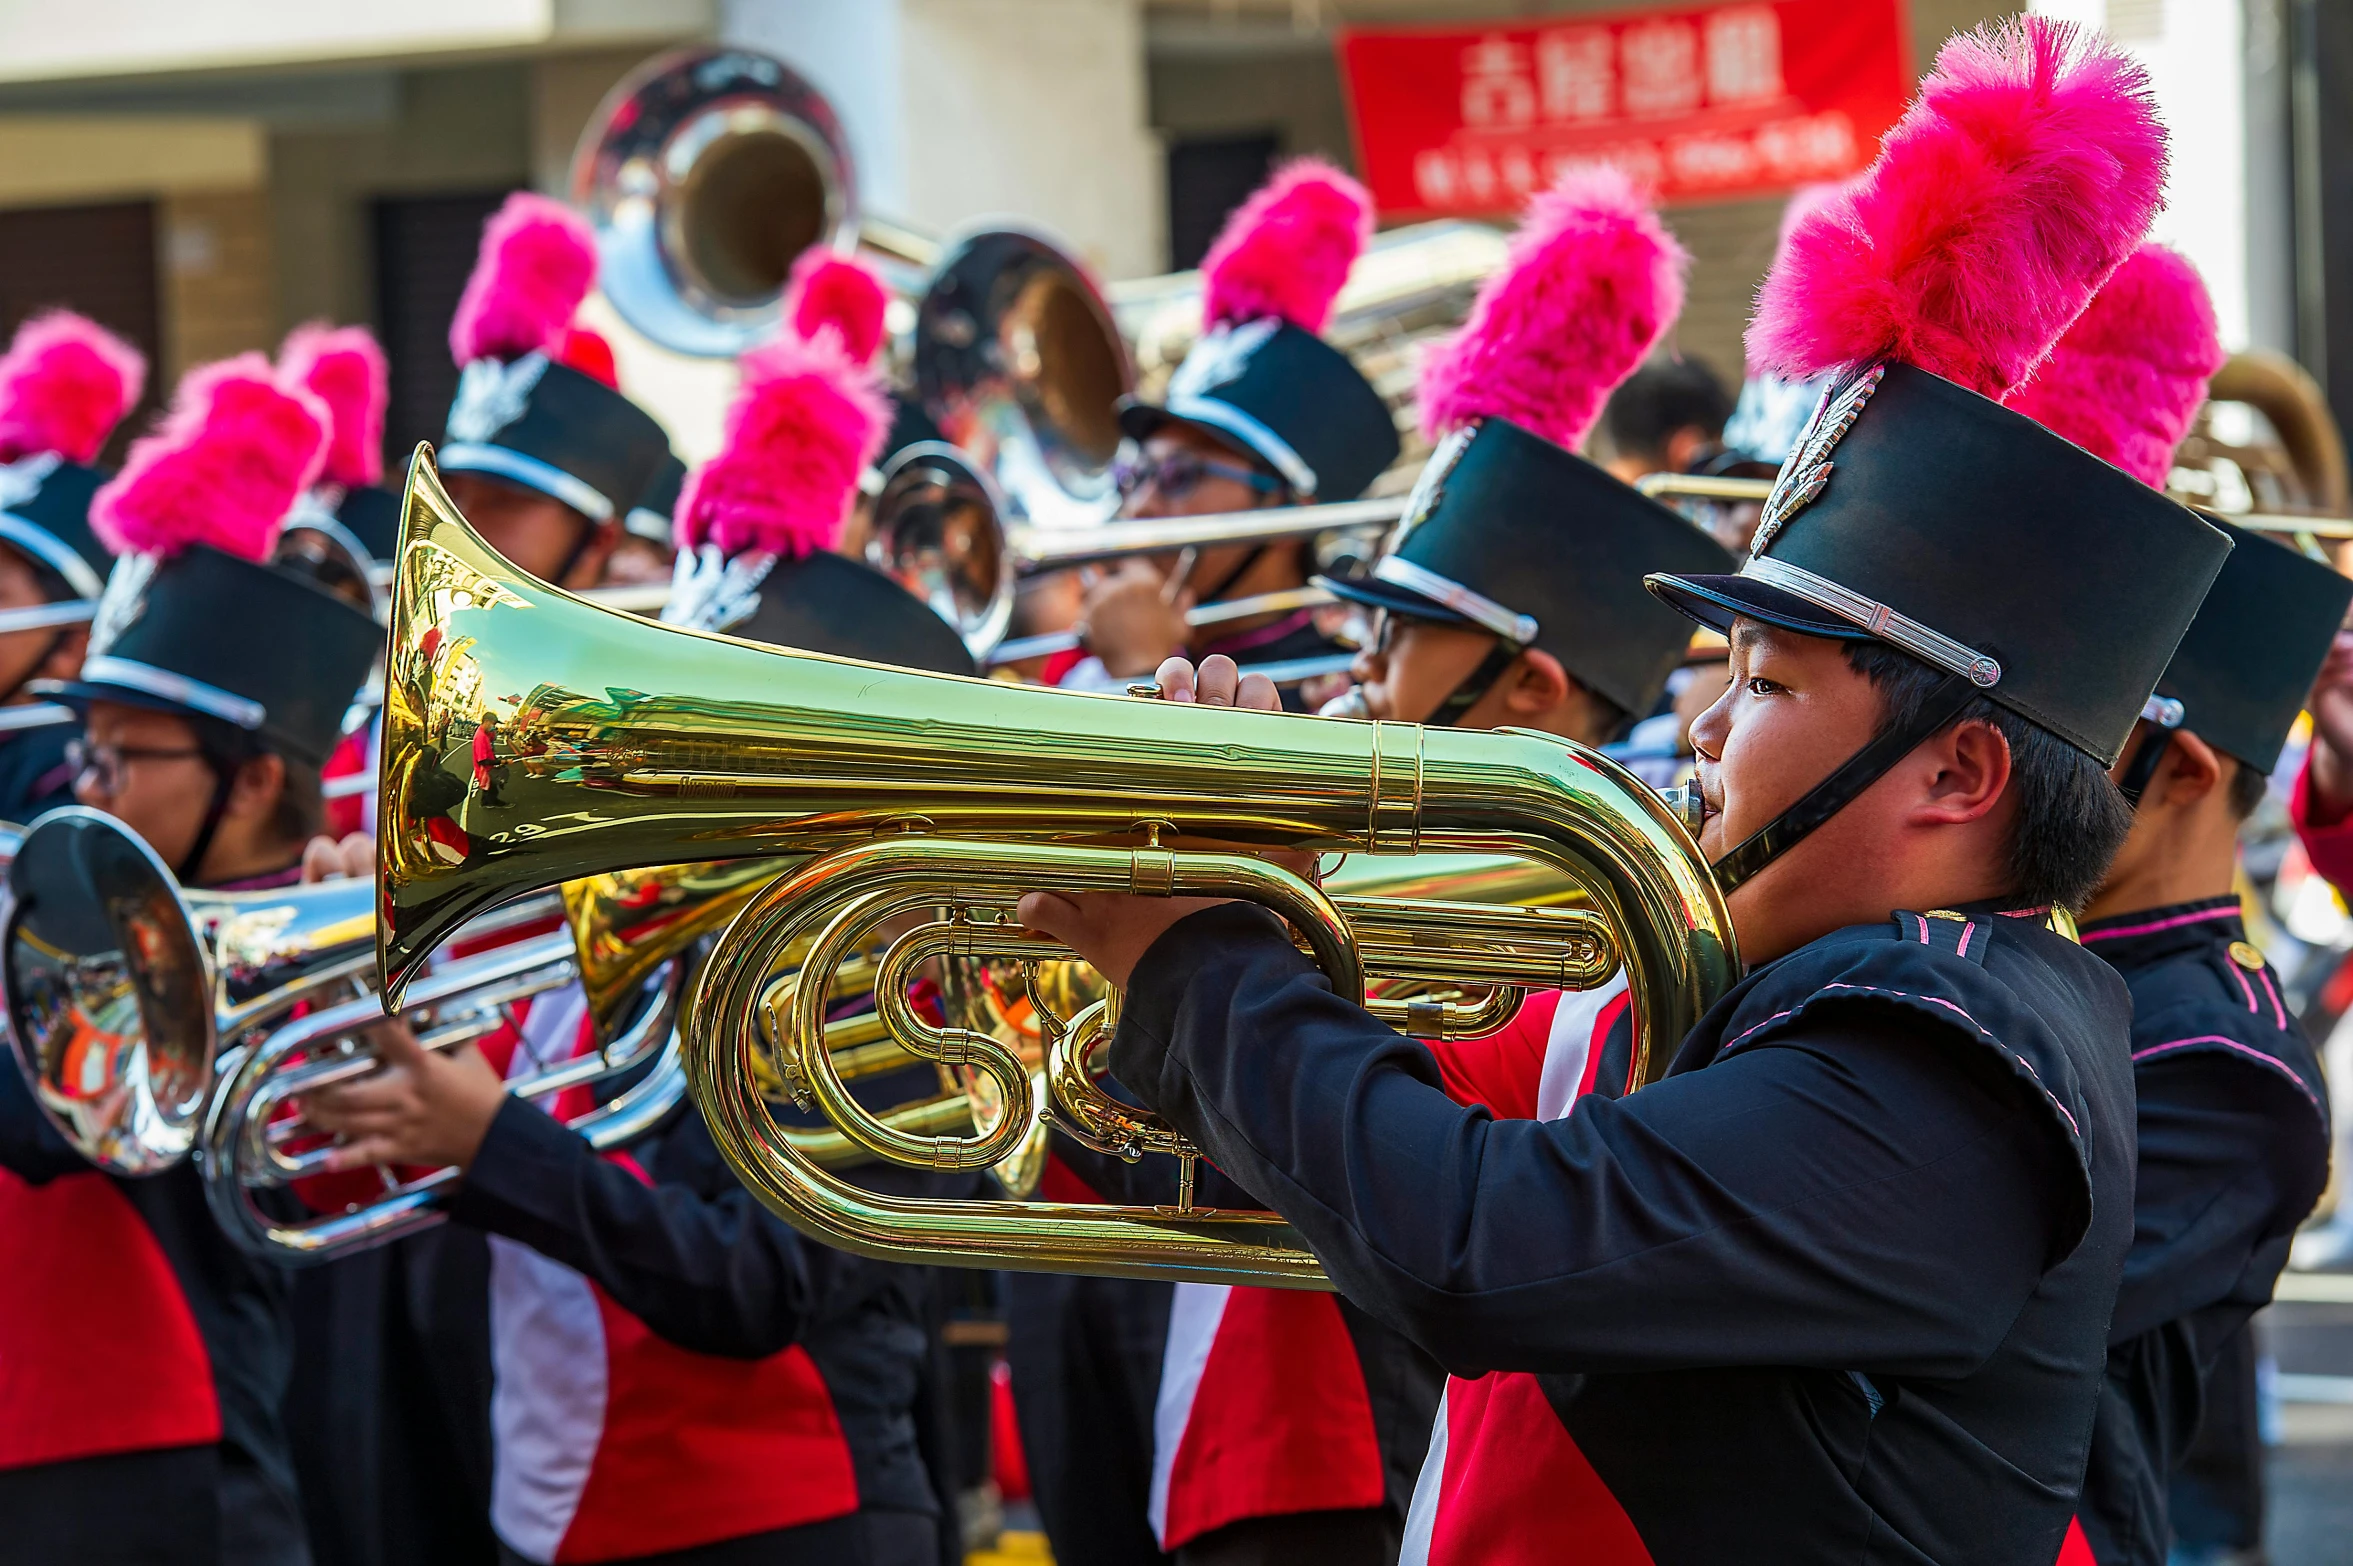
point(2241, 674)
point(1509, 532)
point(167, 637)
point(828, 604)
point(45, 516)
point(650, 517)
point(547, 427)
point(1279, 393)
point(1917, 513)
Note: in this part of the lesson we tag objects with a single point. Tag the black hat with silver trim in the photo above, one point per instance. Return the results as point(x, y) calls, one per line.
point(1260, 378)
point(162, 640)
point(45, 516)
point(550, 428)
point(1511, 533)
point(1915, 510)
point(2241, 674)
point(1920, 514)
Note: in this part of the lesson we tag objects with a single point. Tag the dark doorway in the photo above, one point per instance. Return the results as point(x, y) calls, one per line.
point(1206, 180)
point(99, 261)
point(425, 247)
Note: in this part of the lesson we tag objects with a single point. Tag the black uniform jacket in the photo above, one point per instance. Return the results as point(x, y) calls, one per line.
point(2234, 1147)
point(1836, 1288)
point(695, 1257)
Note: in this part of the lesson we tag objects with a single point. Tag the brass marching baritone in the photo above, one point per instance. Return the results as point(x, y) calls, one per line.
point(708, 170)
point(531, 739)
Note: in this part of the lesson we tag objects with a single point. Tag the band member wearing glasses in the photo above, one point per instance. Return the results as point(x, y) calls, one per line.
point(1867, 1226)
point(148, 1357)
point(65, 383)
point(1263, 412)
point(2233, 1124)
point(679, 1377)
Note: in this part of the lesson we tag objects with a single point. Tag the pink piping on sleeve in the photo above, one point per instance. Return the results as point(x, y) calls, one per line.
point(2230, 1044)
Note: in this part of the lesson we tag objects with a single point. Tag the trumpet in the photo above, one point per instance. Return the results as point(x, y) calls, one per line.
point(531, 739)
point(943, 531)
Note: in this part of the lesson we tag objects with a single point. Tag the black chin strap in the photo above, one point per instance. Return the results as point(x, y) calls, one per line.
point(580, 543)
point(224, 778)
point(1474, 685)
point(1835, 792)
point(2164, 715)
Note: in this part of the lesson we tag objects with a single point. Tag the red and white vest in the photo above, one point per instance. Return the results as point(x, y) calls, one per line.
point(610, 1442)
point(99, 1351)
point(1503, 1484)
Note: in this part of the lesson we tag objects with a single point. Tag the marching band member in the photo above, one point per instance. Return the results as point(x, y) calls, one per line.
point(2233, 1125)
point(1281, 1413)
point(1667, 417)
point(1867, 1230)
point(544, 455)
point(65, 383)
point(1514, 593)
point(1263, 412)
point(147, 1356)
point(679, 1377)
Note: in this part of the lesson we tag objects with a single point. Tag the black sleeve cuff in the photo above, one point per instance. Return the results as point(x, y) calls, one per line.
point(526, 1173)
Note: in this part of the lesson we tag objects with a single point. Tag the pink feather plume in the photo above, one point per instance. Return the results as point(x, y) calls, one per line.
point(804, 425)
point(1286, 251)
point(538, 261)
point(1593, 280)
point(2127, 379)
point(343, 366)
point(2024, 172)
point(223, 467)
point(830, 292)
point(65, 383)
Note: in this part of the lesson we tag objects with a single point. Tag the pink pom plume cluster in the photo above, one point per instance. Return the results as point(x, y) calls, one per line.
point(538, 261)
point(805, 423)
point(2026, 170)
point(65, 383)
point(223, 467)
point(2127, 379)
point(1286, 251)
point(830, 293)
point(344, 367)
point(1592, 281)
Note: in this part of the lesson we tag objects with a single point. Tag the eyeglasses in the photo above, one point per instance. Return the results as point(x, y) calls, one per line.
point(1180, 473)
point(106, 766)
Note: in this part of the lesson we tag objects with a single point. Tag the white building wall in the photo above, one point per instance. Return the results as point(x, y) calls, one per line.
point(2192, 50)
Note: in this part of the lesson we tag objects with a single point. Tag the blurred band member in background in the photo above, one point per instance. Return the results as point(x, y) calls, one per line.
point(65, 383)
point(1667, 417)
point(145, 1400)
point(679, 1377)
point(2233, 1128)
point(1263, 412)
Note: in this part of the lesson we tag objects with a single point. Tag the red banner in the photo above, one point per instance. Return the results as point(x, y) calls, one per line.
point(1701, 103)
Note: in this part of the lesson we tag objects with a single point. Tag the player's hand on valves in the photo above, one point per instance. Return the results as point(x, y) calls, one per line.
point(325, 859)
point(426, 1107)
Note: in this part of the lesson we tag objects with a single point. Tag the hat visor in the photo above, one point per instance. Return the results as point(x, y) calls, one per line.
point(1374, 593)
point(79, 694)
point(1716, 601)
point(1139, 421)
